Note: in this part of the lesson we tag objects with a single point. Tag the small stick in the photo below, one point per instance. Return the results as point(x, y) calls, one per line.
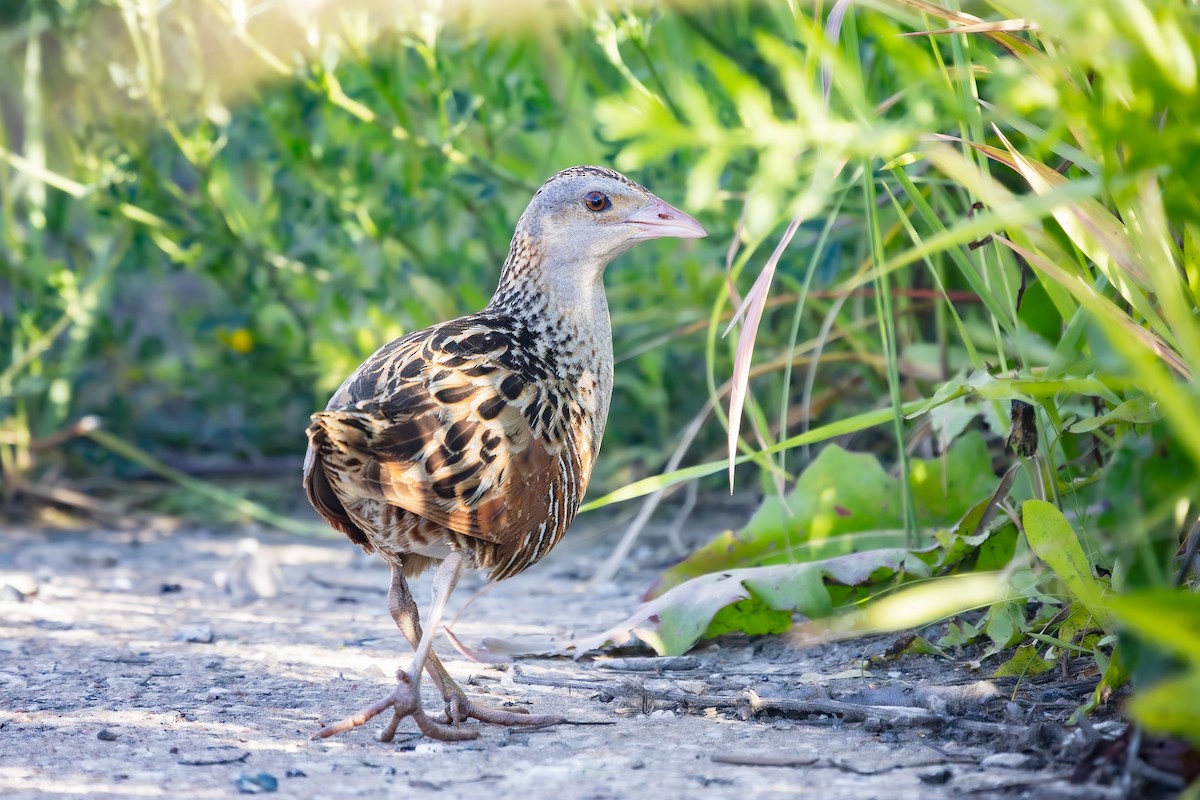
point(675, 663)
point(212, 762)
point(851, 712)
point(757, 760)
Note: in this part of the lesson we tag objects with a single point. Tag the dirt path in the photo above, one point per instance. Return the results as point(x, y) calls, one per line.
point(110, 686)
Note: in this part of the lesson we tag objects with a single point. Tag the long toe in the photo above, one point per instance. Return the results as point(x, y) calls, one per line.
point(461, 708)
point(437, 730)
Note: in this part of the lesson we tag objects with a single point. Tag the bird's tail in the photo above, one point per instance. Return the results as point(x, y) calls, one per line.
point(344, 430)
point(335, 455)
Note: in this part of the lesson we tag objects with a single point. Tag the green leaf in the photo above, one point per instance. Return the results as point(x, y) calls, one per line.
point(1053, 540)
point(676, 620)
point(997, 551)
point(751, 616)
point(960, 632)
point(1171, 619)
point(1005, 626)
point(1140, 410)
point(1040, 314)
point(846, 502)
point(1025, 662)
point(923, 647)
point(1172, 706)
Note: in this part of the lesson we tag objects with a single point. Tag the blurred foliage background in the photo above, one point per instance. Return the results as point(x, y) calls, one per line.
point(971, 225)
point(229, 229)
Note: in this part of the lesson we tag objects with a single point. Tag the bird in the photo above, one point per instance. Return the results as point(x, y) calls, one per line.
point(470, 443)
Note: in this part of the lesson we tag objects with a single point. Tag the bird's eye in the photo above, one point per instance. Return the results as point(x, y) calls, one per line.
point(597, 201)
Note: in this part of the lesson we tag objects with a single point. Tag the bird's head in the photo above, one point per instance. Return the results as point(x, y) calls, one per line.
point(584, 217)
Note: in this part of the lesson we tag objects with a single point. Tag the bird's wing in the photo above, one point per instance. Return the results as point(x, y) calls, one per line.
point(436, 424)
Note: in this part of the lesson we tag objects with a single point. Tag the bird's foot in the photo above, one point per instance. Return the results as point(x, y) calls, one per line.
point(459, 707)
point(405, 701)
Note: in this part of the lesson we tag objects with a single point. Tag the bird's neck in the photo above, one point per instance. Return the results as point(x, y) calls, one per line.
point(563, 307)
point(565, 289)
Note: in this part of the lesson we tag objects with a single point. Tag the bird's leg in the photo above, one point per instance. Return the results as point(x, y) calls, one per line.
point(408, 619)
point(405, 701)
point(458, 706)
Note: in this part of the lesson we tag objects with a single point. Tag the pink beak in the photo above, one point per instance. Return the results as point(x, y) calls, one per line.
point(660, 219)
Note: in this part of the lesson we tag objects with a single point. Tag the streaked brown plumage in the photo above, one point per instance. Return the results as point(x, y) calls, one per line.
point(471, 442)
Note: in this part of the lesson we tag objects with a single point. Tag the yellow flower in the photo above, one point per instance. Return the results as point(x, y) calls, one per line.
point(239, 341)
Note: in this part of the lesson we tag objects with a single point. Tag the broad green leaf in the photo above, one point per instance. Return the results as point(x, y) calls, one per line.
point(676, 620)
point(923, 647)
point(1025, 662)
point(1171, 619)
point(1172, 706)
point(846, 502)
point(944, 489)
point(997, 551)
point(1054, 541)
point(750, 616)
point(1078, 621)
point(960, 632)
point(1005, 626)
point(1139, 410)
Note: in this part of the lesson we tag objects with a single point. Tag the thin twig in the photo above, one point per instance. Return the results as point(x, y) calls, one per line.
point(850, 712)
point(760, 760)
point(212, 762)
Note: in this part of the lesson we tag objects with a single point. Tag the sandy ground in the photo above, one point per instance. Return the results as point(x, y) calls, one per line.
point(127, 671)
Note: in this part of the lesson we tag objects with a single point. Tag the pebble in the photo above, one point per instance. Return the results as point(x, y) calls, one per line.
point(11, 594)
point(259, 783)
point(199, 634)
point(105, 735)
point(936, 777)
point(662, 714)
